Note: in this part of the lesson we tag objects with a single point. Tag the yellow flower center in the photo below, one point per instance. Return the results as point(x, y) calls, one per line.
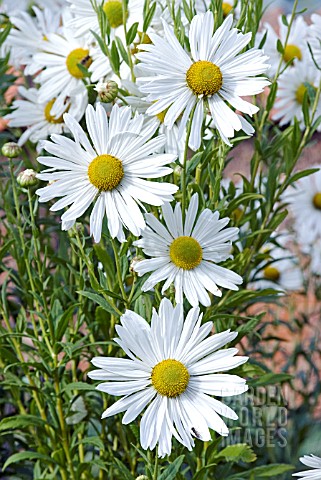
point(170, 378)
point(226, 7)
point(50, 118)
point(271, 273)
point(317, 200)
point(186, 252)
point(204, 78)
point(291, 52)
point(114, 12)
point(299, 94)
point(105, 172)
point(79, 55)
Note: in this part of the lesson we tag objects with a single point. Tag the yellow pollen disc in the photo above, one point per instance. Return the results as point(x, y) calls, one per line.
point(317, 200)
point(79, 55)
point(114, 12)
point(186, 252)
point(299, 94)
point(271, 273)
point(49, 117)
point(291, 52)
point(105, 172)
point(170, 378)
point(204, 78)
point(237, 214)
point(226, 7)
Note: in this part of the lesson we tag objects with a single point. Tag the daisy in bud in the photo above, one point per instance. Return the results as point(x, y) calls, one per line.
point(296, 47)
point(310, 461)
point(43, 119)
point(109, 171)
point(187, 255)
point(173, 369)
point(296, 82)
point(214, 75)
point(305, 206)
point(315, 37)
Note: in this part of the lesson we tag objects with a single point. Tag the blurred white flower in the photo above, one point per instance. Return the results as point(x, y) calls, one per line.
point(310, 461)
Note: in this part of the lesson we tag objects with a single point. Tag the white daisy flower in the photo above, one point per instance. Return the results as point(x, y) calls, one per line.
point(281, 272)
point(310, 461)
point(296, 48)
point(43, 119)
point(292, 86)
point(111, 171)
point(315, 37)
point(60, 57)
point(175, 143)
point(173, 368)
point(186, 255)
point(27, 35)
point(86, 19)
point(305, 206)
point(215, 74)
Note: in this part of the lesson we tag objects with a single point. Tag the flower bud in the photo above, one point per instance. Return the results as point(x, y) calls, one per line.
point(27, 178)
point(134, 262)
point(11, 150)
point(107, 91)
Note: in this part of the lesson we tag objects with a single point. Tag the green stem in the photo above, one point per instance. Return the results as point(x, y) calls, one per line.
point(118, 269)
point(155, 476)
point(183, 177)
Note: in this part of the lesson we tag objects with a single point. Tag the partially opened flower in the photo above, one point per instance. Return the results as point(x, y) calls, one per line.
point(310, 461)
point(110, 172)
point(187, 255)
point(215, 75)
point(172, 370)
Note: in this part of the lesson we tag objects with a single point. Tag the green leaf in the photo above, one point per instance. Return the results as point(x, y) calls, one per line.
point(96, 441)
point(271, 379)
point(21, 456)
point(77, 386)
point(21, 422)
point(239, 452)
point(171, 471)
point(149, 16)
point(63, 321)
point(263, 472)
point(126, 475)
point(98, 299)
point(131, 34)
point(114, 57)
